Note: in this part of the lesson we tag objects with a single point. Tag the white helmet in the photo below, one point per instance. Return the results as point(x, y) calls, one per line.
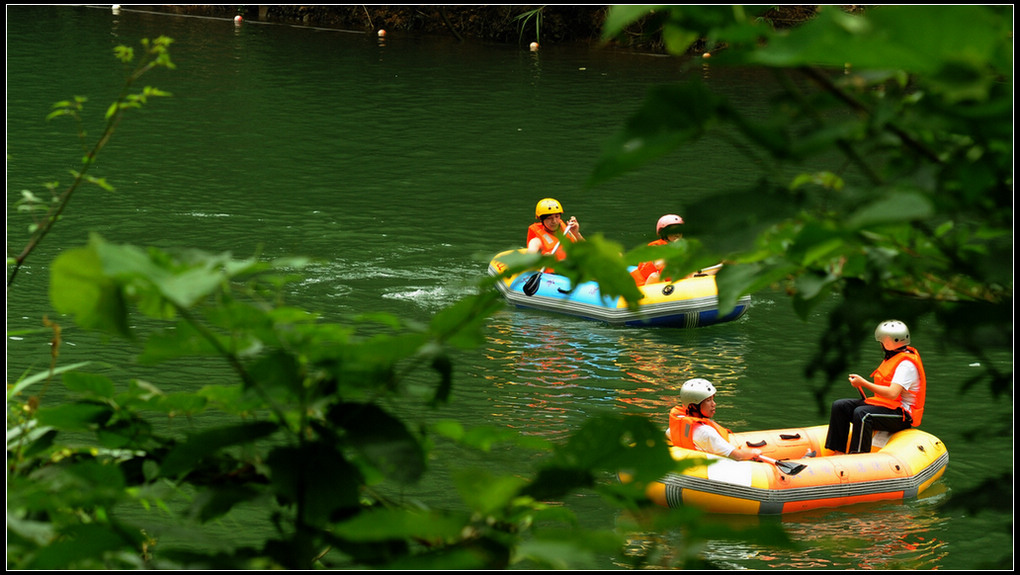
point(892, 334)
point(695, 391)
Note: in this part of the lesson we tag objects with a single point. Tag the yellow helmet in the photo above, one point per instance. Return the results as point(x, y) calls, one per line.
point(547, 206)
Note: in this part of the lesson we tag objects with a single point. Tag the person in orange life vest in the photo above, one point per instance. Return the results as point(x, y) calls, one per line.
point(668, 230)
point(691, 424)
point(545, 234)
point(898, 400)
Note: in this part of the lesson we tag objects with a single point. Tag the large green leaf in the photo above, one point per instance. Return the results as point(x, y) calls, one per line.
point(383, 524)
point(486, 493)
point(461, 323)
point(79, 286)
point(90, 384)
point(317, 478)
point(77, 416)
point(35, 378)
point(896, 207)
point(183, 280)
point(205, 443)
point(217, 501)
point(620, 16)
point(670, 116)
point(600, 260)
point(918, 39)
point(735, 230)
point(485, 553)
point(84, 546)
point(382, 439)
point(614, 443)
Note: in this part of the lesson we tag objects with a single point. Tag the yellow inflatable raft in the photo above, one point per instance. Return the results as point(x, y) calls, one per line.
point(690, 302)
point(901, 465)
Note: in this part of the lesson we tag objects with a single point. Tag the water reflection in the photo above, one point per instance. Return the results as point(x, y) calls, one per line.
point(658, 361)
point(548, 373)
point(552, 372)
point(879, 536)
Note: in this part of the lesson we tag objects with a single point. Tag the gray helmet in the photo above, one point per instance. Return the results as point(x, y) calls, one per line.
point(695, 391)
point(892, 334)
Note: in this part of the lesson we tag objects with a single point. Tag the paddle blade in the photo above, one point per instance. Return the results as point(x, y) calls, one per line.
point(790, 468)
point(531, 286)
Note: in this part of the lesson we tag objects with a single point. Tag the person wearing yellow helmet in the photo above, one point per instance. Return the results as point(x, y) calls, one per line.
point(544, 236)
point(898, 401)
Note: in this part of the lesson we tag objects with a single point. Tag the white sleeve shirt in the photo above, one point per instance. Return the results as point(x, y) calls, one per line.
point(707, 439)
point(907, 377)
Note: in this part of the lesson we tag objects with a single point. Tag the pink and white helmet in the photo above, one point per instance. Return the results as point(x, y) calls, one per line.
point(666, 221)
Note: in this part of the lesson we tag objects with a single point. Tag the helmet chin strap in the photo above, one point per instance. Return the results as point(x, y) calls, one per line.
point(891, 352)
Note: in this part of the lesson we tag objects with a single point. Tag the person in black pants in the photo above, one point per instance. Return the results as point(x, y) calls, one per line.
point(898, 400)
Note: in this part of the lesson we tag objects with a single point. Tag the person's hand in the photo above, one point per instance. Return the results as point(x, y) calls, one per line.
point(573, 223)
point(856, 380)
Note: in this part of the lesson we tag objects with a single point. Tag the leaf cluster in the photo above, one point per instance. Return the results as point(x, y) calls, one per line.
point(896, 124)
point(308, 426)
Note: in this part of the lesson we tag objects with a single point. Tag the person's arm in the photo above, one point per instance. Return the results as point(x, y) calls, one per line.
point(535, 246)
point(574, 229)
point(709, 441)
point(891, 391)
point(742, 453)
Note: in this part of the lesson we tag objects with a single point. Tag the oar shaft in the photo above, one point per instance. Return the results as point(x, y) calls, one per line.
point(553, 252)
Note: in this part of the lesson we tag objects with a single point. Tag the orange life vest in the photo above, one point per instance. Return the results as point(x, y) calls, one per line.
point(682, 426)
point(645, 269)
point(884, 375)
point(549, 241)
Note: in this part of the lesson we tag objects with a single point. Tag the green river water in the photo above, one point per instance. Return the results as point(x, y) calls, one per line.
point(404, 165)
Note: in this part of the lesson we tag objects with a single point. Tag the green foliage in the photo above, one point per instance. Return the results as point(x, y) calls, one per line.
point(156, 55)
point(913, 219)
point(898, 121)
point(531, 16)
point(314, 437)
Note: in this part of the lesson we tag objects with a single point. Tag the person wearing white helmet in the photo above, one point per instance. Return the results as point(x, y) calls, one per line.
point(898, 396)
point(691, 424)
point(667, 230)
point(545, 235)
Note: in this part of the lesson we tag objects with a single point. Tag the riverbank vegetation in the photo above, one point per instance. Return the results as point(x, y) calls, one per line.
point(498, 23)
point(915, 222)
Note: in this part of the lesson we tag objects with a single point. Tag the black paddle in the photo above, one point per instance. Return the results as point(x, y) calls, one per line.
point(531, 286)
point(786, 467)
